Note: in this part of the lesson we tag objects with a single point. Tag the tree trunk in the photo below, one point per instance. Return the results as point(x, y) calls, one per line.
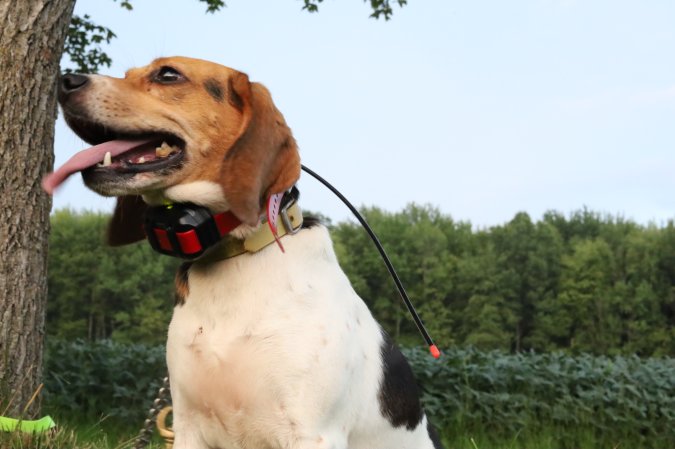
point(32, 34)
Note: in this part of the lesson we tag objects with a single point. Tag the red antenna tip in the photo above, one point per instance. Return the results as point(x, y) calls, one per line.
point(435, 352)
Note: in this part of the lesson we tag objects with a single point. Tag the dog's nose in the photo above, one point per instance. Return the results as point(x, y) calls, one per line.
point(71, 82)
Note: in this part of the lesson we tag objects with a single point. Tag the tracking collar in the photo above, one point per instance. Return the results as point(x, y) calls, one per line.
point(189, 231)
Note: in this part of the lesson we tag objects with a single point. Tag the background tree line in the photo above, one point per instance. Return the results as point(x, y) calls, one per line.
point(586, 282)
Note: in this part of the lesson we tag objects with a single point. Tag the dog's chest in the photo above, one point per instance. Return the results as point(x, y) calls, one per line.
point(264, 342)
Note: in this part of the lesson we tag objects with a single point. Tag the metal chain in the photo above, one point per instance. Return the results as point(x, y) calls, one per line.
point(163, 399)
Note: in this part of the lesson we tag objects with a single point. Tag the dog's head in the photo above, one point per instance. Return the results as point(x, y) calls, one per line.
point(182, 130)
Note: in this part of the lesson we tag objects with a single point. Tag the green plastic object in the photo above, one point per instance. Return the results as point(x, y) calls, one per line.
point(36, 426)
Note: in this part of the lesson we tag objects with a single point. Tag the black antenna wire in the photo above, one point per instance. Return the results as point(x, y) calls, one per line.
point(401, 290)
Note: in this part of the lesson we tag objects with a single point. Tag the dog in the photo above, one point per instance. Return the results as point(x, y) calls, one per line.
point(269, 347)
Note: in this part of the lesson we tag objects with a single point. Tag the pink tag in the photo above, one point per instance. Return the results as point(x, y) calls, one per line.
point(273, 205)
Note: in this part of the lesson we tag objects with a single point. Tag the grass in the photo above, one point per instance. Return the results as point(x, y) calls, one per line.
point(545, 437)
point(78, 434)
point(105, 434)
point(71, 432)
point(67, 438)
point(60, 438)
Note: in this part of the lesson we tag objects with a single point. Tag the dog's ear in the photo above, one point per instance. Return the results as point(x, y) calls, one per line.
point(264, 160)
point(126, 225)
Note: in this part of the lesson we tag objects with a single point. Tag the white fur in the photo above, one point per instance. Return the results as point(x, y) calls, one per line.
point(276, 350)
point(205, 193)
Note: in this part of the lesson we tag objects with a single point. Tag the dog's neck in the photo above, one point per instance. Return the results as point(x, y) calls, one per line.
point(249, 239)
point(188, 229)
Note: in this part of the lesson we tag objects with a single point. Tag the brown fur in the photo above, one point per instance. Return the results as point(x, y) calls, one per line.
point(126, 225)
point(182, 284)
point(243, 144)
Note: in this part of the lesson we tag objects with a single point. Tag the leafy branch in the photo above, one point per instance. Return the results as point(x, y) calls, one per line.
point(381, 8)
point(83, 44)
point(213, 5)
point(85, 39)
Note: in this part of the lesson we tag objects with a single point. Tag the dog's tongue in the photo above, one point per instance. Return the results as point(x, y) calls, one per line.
point(87, 158)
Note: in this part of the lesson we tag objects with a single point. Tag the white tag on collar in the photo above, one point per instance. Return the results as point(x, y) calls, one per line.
point(273, 206)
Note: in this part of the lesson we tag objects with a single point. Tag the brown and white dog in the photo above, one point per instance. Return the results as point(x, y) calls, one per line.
point(268, 349)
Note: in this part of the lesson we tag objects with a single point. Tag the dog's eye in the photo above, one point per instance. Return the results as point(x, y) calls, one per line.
point(168, 75)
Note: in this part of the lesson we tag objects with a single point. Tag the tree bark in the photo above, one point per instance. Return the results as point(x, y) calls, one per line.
point(32, 34)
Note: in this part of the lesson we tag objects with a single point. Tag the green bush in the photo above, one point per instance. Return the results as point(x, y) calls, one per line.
point(604, 400)
point(102, 378)
point(615, 399)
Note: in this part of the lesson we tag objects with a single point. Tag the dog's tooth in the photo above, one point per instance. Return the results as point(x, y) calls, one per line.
point(141, 160)
point(107, 159)
point(164, 150)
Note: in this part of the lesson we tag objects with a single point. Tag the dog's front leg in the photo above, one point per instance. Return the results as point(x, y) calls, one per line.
point(187, 437)
point(184, 439)
point(187, 433)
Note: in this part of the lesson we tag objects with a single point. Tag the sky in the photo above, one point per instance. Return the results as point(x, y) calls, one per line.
point(482, 109)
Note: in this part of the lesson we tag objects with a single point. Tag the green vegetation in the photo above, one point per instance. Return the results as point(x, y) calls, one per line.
point(57, 440)
point(98, 292)
point(583, 283)
point(90, 380)
point(497, 399)
point(73, 436)
point(549, 400)
point(85, 38)
point(569, 324)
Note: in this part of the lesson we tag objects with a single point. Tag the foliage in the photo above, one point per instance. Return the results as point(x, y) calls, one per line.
point(380, 8)
point(616, 401)
point(582, 288)
point(84, 36)
point(60, 439)
point(582, 283)
point(98, 292)
point(582, 400)
point(213, 5)
point(102, 378)
point(99, 435)
point(83, 44)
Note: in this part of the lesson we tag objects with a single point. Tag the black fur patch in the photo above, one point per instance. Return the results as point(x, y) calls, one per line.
point(214, 89)
point(433, 435)
point(182, 284)
point(310, 222)
point(399, 394)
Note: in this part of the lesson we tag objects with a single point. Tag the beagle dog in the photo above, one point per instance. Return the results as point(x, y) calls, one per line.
point(268, 347)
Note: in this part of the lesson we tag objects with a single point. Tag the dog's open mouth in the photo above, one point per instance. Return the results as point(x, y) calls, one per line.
point(118, 153)
point(139, 154)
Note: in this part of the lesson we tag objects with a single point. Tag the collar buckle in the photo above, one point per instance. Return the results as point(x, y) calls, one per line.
point(291, 217)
